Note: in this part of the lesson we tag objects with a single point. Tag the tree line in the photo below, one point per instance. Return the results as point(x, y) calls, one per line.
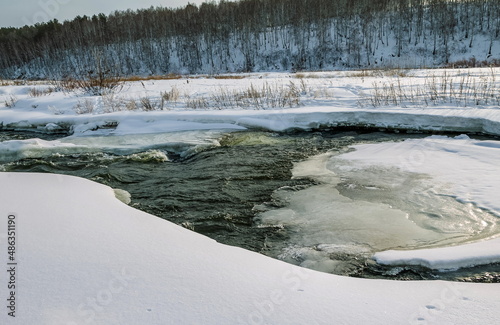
point(255, 35)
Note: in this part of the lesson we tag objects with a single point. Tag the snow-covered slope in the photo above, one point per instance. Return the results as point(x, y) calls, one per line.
point(360, 35)
point(86, 258)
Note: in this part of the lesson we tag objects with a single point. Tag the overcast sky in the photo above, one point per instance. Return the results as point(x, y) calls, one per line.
point(17, 13)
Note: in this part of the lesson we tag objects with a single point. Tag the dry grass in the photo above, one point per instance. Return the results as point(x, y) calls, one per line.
point(377, 73)
point(170, 96)
point(39, 92)
point(265, 97)
point(170, 76)
point(473, 63)
point(22, 82)
point(393, 72)
point(131, 105)
point(149, 104)
point(464, 90)
point(229, 77)
point(198, 103)
point(6, 83)
point(91, 85)
point(175, 76)
point(302, 75)
point(113, 103)
point(11, 101)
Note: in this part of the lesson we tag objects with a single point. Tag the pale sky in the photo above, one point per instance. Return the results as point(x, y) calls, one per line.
point(17, 13)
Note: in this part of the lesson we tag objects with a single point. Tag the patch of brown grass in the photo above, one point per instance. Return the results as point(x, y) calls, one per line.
point(228, 77)
point(170, 76)
point(174, 76)
point(473, 63)
point(38, 92)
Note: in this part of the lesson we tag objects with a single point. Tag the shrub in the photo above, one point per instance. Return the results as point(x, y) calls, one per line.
point(98, 80)
point(87, 106)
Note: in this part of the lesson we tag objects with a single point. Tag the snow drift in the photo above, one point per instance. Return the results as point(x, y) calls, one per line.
point(86, 258)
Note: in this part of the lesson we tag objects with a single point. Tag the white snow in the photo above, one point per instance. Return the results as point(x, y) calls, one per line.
point(86, 258)
point(445, 258)
point(471, 166)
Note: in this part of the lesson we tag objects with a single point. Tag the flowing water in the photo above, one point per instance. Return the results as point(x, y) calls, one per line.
point(283, 195)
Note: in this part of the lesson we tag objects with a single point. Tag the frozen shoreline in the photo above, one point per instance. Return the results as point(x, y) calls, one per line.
point(469, 167)
point(485, 121)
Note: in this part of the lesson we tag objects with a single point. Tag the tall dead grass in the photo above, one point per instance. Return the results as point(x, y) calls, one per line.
point(459, 89)
point(254, 97)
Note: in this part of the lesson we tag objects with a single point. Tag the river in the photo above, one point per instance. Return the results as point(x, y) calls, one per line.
point(259, 191)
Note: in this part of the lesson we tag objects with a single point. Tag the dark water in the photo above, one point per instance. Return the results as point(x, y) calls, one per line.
point(212, 192)
point(215, 191)
point(19, 135)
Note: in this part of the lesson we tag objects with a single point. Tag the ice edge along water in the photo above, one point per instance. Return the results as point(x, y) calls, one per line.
point(132, 125)
point(470, 167)
point(403, 195)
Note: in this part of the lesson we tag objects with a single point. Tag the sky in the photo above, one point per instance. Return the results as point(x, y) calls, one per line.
point(28, 12)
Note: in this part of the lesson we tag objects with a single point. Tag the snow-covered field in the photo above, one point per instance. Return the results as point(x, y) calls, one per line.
point(86, 258)
point(323, 99)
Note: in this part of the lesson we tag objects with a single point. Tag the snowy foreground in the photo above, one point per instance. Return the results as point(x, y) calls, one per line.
point(84, 257)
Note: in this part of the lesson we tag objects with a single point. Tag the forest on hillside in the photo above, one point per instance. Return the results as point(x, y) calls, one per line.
point(257, 35)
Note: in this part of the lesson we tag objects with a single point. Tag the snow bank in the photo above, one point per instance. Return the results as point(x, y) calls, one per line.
point(485, 121)
point(84, 257)
point(31, 148)
point(445, 258)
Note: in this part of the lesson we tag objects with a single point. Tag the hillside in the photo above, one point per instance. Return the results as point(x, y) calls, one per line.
point(258, 35)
